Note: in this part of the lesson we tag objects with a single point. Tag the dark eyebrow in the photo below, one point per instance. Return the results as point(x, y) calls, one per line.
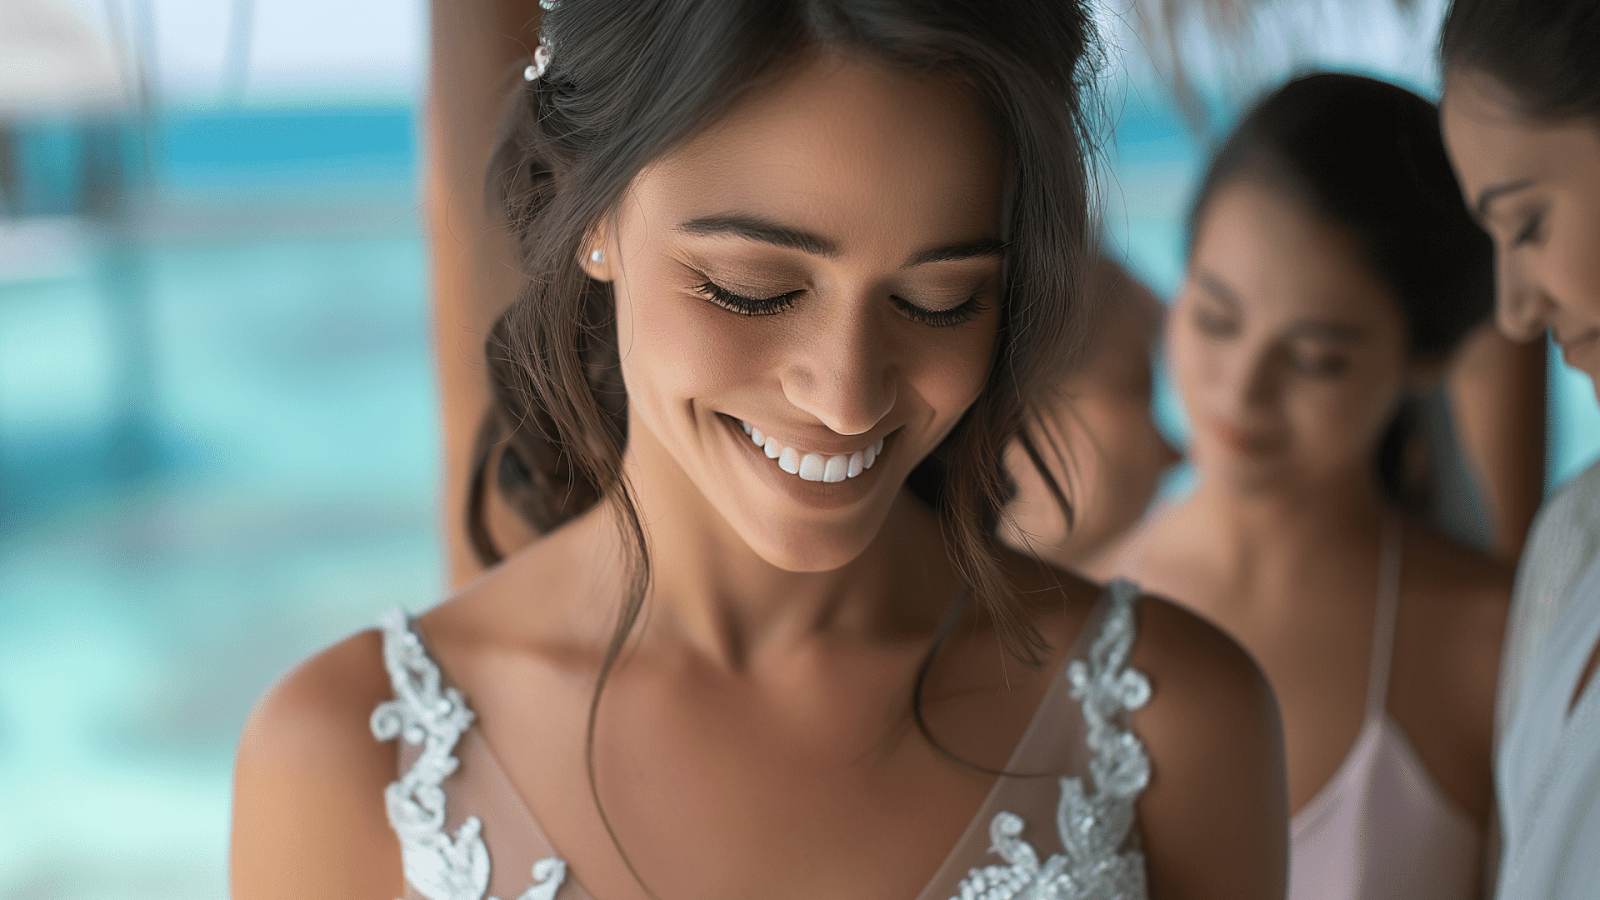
point(965, 250)
point(1217, 289)
point(753, 228)
point(1491, 194)
point(1330, 331)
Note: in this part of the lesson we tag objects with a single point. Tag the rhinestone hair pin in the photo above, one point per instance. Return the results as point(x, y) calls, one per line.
point(541, 54)
point(541, 61)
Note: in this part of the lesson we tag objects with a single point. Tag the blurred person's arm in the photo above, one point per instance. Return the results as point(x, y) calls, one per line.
point(1496, 391)
point(475, 48)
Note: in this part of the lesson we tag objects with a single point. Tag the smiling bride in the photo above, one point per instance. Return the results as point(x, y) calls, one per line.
point(793, 274)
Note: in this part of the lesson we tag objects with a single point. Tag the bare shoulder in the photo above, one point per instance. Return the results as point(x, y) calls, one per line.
point(308, 813)
point(1452, 620)
point(1463, 587)
point(1448, 638)
point(1206, 691)
point(576, 573)
point(1214, 817)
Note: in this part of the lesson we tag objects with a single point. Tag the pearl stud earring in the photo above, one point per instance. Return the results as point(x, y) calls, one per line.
point(597, 256)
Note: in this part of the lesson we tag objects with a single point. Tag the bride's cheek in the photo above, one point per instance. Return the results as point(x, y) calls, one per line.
point(962, 371)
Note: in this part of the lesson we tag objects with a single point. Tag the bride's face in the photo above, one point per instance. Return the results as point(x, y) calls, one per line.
point(807, 299)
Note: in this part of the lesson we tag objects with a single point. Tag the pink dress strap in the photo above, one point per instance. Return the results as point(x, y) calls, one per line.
point(1382, 827)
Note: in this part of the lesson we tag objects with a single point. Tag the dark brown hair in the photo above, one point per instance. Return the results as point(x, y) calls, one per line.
point(630, 81)
point(1369, 158)
point(1547, 52)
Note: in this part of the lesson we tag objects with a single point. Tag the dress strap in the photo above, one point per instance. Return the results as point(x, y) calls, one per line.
point(1384, 616)
point(426, 711)
point(1096, 816)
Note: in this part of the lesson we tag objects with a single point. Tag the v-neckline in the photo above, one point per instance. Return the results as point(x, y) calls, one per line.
point(573, 887)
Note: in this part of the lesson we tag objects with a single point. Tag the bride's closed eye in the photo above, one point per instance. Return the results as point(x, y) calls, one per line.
point(744, 305)
point(941, 318)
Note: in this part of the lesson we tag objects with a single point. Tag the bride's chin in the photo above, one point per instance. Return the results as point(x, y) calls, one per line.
point(810, 548)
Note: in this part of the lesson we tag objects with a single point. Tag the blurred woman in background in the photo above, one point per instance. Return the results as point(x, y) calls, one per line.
point(1097, 437)
point(1521, 115)
point(1332, 270)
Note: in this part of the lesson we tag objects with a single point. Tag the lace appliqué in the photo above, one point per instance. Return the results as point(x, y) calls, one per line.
point(439, 866)
point(1093, 828)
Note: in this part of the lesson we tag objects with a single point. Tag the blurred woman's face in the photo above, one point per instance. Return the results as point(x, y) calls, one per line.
point(1100, 440)
point(1535, 186)
point(807, 298)
point(1288, 352)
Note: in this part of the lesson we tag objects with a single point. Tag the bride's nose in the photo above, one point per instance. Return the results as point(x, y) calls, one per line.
point(842, 373)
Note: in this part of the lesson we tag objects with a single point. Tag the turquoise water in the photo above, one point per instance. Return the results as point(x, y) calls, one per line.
point(218, 452)
point(1574, 421)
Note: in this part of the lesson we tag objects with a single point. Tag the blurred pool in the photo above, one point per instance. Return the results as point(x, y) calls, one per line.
point(218, 453)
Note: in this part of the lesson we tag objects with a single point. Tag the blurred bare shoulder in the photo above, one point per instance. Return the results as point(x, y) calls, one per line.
point(1057, 600)
point(308, 809)
point(1449, 634)
point(1459, 598)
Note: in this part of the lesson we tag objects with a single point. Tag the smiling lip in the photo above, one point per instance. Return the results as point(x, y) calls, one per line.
point(810, 466)
point(820, 495)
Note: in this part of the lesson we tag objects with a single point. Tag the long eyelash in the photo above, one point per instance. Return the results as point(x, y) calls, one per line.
point(943, 318)
point(745, 306)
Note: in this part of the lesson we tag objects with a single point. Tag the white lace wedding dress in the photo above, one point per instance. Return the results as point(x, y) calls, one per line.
point(1064, 831)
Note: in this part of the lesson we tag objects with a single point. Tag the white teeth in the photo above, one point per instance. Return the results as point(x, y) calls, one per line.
point(836, 468)
point(789, 461)
point(814, 466)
